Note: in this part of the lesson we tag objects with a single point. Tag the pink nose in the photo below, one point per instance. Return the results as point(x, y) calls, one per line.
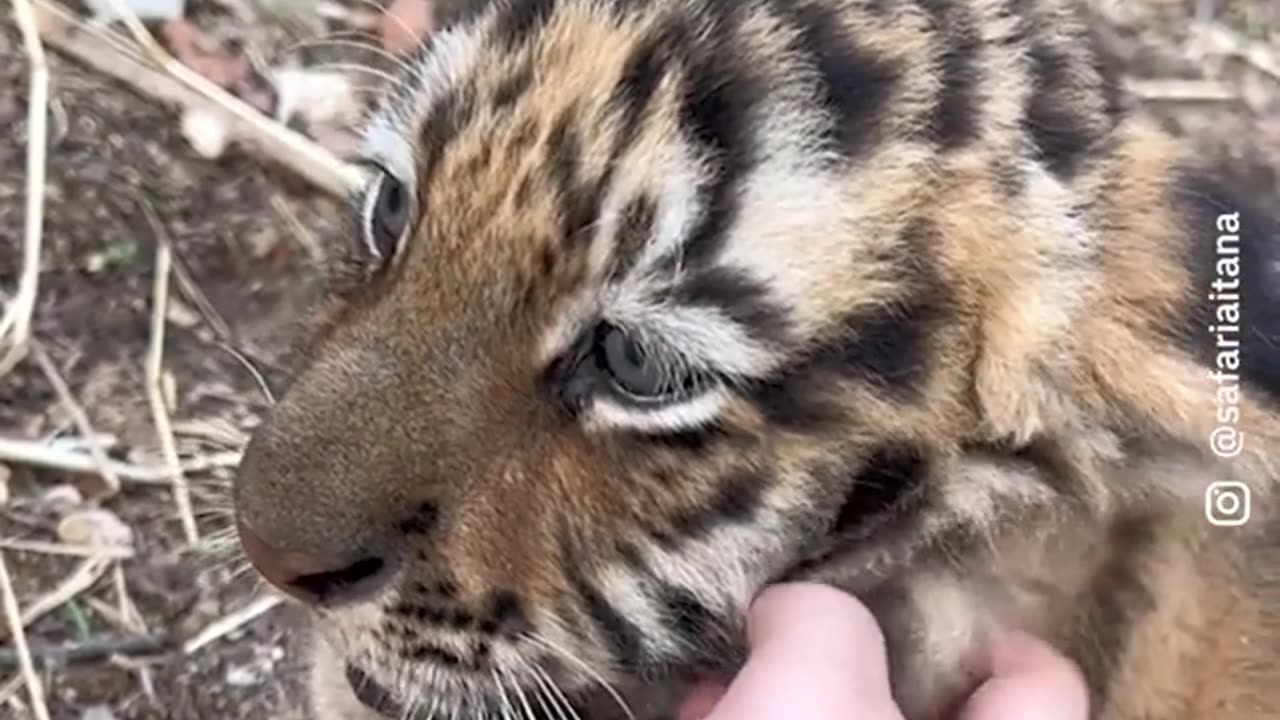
point(310, 578)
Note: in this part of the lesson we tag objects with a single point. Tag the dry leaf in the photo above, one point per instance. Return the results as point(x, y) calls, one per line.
point(62, 498)
point(92, 486)
point(95, 526)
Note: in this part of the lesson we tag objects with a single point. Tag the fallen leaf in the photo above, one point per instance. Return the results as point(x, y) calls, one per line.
point(61, 498)
point(92, 486)
point(95, 526)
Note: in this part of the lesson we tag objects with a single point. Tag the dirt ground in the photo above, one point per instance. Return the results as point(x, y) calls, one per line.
point(241, 230)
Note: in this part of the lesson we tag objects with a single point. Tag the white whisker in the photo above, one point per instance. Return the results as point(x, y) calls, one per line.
point(586, 669)
point(507, 711)
point(552, 692)
point(520, 695)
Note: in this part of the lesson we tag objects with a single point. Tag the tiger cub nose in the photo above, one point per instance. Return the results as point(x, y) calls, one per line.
point(311, 578)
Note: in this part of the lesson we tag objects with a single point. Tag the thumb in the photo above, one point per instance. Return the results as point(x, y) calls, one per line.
point(816, 653)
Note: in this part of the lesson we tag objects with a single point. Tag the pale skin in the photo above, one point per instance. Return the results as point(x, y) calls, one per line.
point(818, 654)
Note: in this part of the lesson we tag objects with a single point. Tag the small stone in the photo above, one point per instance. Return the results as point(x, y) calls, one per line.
point(98, 712)
point(241, 677)
point(180, 314)
point(206, 131)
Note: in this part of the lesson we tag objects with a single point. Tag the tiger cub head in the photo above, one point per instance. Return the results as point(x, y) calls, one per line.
point(645, 298)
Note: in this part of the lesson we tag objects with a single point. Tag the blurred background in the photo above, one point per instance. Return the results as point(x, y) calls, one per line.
point(183, 239)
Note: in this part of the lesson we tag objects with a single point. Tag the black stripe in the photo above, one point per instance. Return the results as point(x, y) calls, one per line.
point(514, 87)
point(621, 634)
point(523, 194)
point(888, 346)
point(1062, 135)
point(700, 629)
point(735, 500)
point(1116, 102)
point(523, 136)
point(422, 521)
point(1247, 269)
point(505, 615)
point(1116, 599)
point(796, 400)
point(893, 472)
point(430, 653)
point(856, 84)
point(954, 121)
point(641, 74)
point(449, 14)
point(564, 152)
point(518, 20)
point(580, 198)
point(741, 298)
point(635, 228)
point(718, 113)
point(694, 440)
point(689, 617)
point(446, 120)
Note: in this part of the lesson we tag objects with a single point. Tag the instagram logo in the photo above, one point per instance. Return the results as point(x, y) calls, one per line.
point(1226, 504)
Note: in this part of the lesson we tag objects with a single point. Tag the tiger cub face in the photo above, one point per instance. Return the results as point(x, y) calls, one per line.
point(646, 300)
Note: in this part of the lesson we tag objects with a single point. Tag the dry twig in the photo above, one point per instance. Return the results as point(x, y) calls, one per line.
point(306, 238)
point(69, 549)
point(78, 416)
point(95, 650)
point(166, 79)
point(193, 293)
point(9, 689)
point(1178, 90)
point(13, 613)
point(230, 623)
point(15, 325)
point(86, 574)
point(155, 370)
point(27, 452)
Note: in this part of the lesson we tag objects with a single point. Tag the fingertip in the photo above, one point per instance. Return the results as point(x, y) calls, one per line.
point(1029, 676)
point(816, 653)
point(803, 609)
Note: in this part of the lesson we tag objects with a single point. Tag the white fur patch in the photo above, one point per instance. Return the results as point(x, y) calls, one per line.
point(390, 136)
point(695, 412)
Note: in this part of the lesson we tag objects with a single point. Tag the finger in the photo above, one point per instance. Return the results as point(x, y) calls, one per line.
point(1029, 681)
point(816, 653)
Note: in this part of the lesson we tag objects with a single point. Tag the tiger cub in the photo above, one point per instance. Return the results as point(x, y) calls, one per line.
point(650, 304)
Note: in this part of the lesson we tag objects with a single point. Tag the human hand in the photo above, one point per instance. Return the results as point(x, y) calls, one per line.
point(818, 654)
